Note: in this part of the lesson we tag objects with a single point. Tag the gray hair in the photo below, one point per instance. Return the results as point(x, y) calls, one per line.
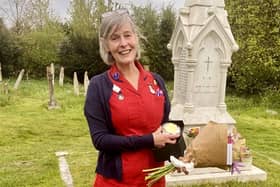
point(111, 21)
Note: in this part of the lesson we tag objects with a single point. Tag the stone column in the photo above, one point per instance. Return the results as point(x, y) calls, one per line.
point(190, 66)
point(19, 79)
point(222, 104)
point(176, 80)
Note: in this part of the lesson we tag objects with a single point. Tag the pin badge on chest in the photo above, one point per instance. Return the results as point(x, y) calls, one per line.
point(116, 76)
point(155, 82)
point(120, 97)
point(117, 90)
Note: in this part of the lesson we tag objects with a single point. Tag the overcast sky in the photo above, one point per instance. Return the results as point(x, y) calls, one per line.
point(61, 6)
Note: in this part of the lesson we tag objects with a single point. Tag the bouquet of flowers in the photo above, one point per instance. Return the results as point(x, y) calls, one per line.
point(154, 174)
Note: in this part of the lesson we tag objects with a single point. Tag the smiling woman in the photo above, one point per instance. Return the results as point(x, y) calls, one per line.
point(120, 107)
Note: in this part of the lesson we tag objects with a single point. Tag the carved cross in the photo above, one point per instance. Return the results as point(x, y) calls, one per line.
point(208, 63)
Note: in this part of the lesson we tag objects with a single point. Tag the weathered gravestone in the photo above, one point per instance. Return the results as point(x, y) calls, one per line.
point(52, 104)
point(202, 45)
point(61, 76)
point(86, 82)
point(19, 79)
point(52, 72)
point(64, 168)
point(76, 84)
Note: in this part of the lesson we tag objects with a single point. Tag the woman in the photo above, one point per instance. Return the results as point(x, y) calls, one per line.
point(125, 107)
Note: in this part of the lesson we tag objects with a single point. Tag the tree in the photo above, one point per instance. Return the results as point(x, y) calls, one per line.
point(16, 12)
point(80, 50)
point(147, 20)
point(164, 65)
point(9, 51)
point(256, 66)
point(157, 28)
point(40, 45)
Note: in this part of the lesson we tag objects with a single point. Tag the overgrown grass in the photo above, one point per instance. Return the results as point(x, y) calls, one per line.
point(31, 134)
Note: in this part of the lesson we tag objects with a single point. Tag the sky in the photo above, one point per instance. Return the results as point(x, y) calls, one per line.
point(61, 7)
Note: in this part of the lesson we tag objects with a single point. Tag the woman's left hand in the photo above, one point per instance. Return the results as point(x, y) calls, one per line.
point(161, 139)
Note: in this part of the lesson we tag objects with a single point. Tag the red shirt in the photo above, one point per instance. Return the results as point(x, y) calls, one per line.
point(134, 112)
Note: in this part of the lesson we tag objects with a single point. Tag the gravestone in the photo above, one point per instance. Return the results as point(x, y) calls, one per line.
point(202, 45)
point(64, 168)
point(86, 82)
point(61, 76)
point(76, 84)
point(52, 104)
point(19, 79)
point(1, 78)
point(52, 72)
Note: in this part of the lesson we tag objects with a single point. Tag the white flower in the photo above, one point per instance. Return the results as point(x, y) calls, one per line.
point(180, 164)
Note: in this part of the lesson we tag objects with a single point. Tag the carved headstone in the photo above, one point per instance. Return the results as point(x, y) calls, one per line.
point(202, 45)
point(76, 84)
point(61, 76)
point(86, 82)
point(19, 79)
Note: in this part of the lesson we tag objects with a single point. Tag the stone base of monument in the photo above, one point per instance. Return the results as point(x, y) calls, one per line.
point(215, 175)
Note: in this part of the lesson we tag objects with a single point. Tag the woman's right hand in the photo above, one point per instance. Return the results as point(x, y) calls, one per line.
point(161, 139)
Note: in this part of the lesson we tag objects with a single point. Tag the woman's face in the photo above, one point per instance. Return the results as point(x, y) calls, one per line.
point(122, 44)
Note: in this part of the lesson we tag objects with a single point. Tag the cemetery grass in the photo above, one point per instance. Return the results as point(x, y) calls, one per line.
point(31, 134)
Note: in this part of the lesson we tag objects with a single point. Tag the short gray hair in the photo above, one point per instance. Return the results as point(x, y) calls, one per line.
point(113, 20)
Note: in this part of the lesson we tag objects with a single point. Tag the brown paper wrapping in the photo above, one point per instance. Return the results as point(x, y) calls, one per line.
point(209, 147)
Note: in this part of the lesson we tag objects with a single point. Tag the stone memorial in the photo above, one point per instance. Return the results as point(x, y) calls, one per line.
point(52, 72)
point(52, 104)
point(86, 82)
point(202, 45)
point(64, 168)
point(19, 79)
point(76, 84)
point(61, 76)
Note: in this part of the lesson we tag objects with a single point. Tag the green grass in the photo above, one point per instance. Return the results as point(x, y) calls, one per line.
point(31, 134)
